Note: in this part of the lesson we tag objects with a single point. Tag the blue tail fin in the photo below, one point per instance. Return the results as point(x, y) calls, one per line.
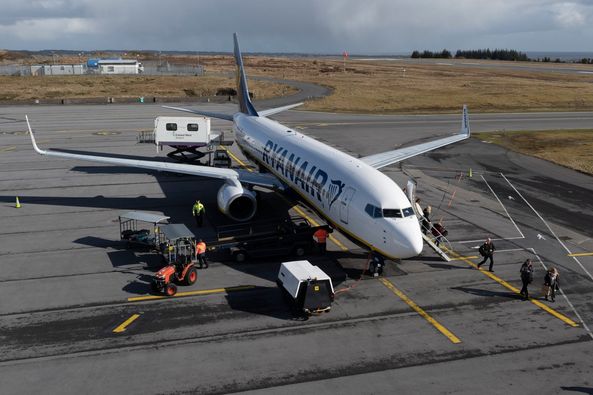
point(245, 105)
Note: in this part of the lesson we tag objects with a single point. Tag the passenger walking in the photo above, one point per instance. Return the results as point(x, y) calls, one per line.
point(526, 277)
point(418, 207)
point(426, 225)
point(487, 251)
point(201, 254)
point(198, 212)
point(551, 284)
point(439, 231)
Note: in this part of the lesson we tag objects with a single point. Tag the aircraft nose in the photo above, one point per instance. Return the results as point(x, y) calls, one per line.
point(409, 240)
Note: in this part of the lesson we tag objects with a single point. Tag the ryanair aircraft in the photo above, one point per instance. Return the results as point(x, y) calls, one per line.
point(350, 193)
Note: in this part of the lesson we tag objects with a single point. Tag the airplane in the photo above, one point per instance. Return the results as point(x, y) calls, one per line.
point(351, 194)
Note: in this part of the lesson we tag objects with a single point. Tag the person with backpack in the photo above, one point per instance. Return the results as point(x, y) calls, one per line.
point(487, 251)
point(526, 277)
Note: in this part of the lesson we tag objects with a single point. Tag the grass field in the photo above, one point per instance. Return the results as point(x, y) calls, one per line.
point(28, 89)
point(569, 148)
point(377, 86)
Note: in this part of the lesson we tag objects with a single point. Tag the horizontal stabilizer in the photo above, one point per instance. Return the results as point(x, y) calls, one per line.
point(272, 111)
point(218, 115)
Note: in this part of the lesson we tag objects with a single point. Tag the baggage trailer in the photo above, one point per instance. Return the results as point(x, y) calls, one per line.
point(134, 228)
point(267, 239)
point(308, 288)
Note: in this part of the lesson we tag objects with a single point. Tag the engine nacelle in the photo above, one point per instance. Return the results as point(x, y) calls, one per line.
point(237, 202)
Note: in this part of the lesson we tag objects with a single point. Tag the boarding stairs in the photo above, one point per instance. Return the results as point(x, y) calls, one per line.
point(428, 237)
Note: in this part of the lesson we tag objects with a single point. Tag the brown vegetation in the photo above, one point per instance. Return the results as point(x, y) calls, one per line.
point(569, 148)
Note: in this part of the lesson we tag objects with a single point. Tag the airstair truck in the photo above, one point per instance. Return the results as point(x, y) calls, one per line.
point(307, 287)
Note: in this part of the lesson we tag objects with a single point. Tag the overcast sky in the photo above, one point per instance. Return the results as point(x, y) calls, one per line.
point(311, 26)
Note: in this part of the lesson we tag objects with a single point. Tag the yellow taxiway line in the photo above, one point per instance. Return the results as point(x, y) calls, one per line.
point(191, 293)
point(124, 325)
point(581, 254)
point(508, 286)
point(239, 161)
point(454, 339)
point(464, 257)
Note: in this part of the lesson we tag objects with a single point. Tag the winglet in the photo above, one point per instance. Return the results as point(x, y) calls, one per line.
point(465, 122)
point(39, 151)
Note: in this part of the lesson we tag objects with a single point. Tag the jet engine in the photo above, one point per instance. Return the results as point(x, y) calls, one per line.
point(236, 202)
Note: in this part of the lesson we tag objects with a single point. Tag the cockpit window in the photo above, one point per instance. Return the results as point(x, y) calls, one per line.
point(408, 212)
point(373, 211)
point(392, 213)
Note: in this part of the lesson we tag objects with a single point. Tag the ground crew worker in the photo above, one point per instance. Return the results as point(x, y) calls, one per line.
point(320, 237)
point(201, 253)
point(171, 253)
point(198, 212)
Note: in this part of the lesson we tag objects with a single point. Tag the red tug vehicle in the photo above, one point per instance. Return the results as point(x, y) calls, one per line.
point(179, 251)
point(165, 279)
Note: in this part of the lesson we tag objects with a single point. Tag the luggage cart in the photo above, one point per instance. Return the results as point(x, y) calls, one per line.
point(141, 229)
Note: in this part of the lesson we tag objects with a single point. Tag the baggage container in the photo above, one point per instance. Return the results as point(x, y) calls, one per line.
point(307, 287)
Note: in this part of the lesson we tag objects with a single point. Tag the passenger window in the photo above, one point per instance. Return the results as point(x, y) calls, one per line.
point(392, 213)
point(192, 127)
point(171, 126)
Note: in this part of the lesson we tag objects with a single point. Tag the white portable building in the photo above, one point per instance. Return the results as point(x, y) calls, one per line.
point(182, 131)
point(119, 66)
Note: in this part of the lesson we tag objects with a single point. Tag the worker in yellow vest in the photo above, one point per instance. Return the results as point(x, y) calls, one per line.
point(201, 254)
point(198, 212)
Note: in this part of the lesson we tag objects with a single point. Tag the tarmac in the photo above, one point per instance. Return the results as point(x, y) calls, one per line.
point(77, 314)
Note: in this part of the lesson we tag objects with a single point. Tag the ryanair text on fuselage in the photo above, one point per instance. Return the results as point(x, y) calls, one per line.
point(308, 177)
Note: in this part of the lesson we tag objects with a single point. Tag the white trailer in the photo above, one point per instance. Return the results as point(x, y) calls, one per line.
point(308, 287)
point(182, 132)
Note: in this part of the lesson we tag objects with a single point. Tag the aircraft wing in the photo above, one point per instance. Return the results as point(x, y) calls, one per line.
point(229, 175)
point(390, 157)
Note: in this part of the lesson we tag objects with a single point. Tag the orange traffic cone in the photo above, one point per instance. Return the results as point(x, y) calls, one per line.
point(18, 204)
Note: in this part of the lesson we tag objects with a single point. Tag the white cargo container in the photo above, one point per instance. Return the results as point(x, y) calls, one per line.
point(182, 132)
point(307, 286)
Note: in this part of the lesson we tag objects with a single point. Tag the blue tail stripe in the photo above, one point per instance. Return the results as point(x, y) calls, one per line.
point(245, 105)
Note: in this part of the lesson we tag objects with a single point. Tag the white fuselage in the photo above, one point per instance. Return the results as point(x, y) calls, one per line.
point(361, 201)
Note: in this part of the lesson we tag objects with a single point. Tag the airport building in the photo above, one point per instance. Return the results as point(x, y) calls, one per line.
point(119, 66)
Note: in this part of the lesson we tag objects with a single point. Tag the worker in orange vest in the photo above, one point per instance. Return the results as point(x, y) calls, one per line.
point(201, 253)
point(320, 237)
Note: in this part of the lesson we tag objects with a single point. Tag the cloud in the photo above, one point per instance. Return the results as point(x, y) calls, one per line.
point(373, 26)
